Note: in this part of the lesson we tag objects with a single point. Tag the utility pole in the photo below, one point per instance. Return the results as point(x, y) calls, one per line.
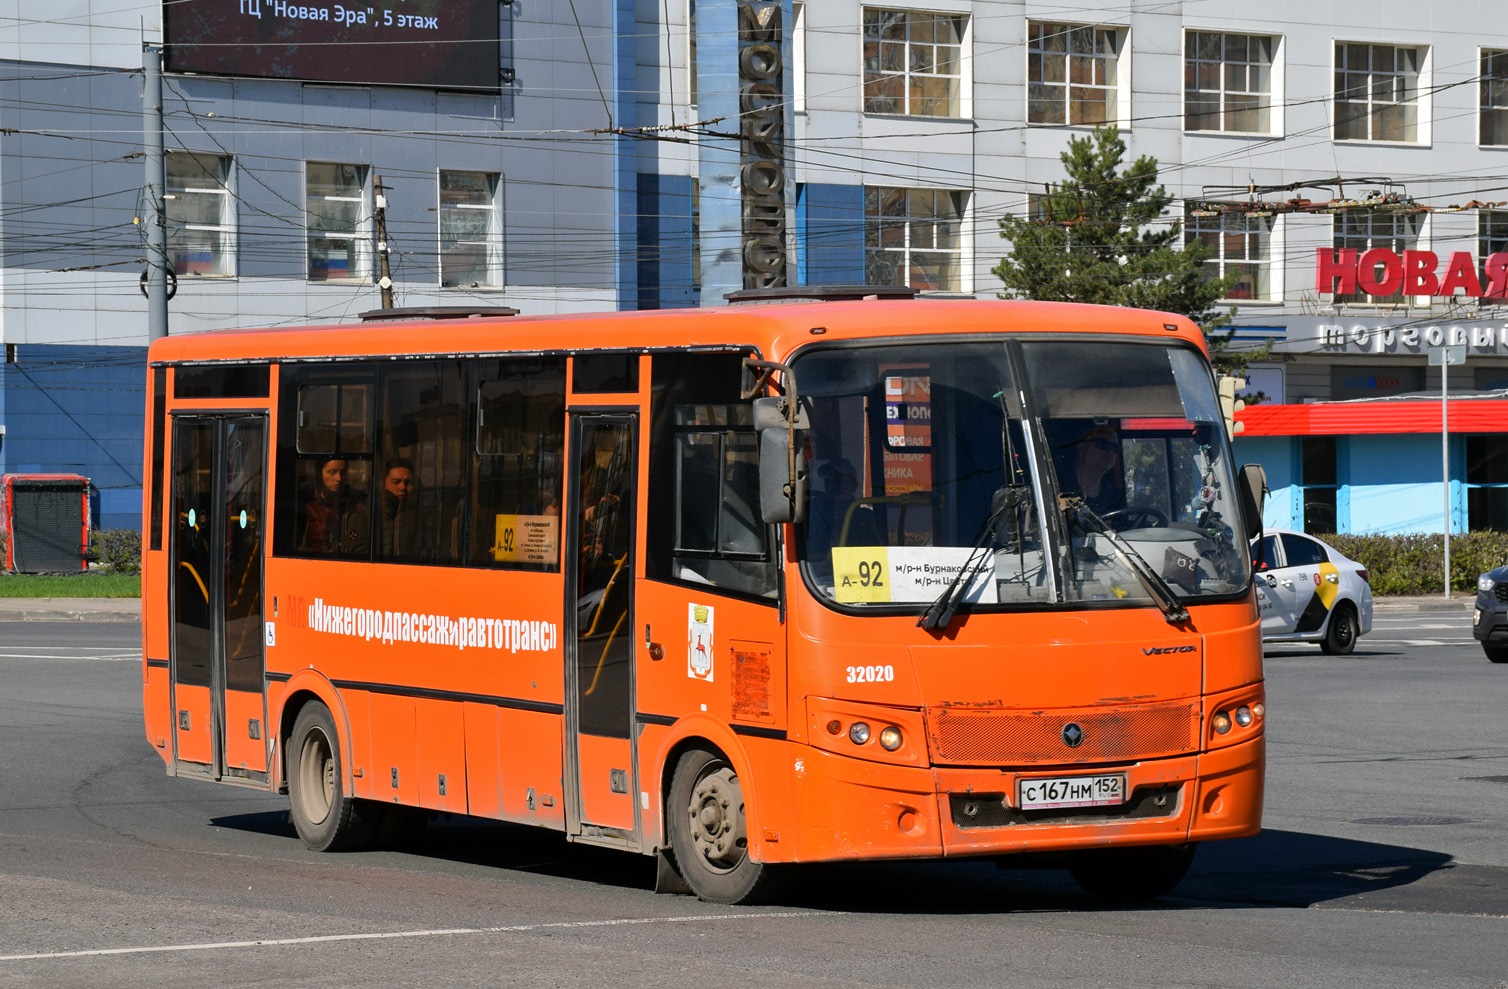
point(156, 182)
point(385, 276)
point(1444, 357)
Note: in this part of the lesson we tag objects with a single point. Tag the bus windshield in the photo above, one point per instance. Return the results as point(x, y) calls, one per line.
point(1038, 472)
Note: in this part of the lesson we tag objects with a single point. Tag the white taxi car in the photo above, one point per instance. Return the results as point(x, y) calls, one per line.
point(1309, 592)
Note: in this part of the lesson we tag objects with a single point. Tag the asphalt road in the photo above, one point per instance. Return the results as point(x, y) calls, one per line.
point(1384, 863)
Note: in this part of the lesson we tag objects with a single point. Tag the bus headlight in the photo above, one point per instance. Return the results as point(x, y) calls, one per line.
point(858, 733)
point(1243, 716)
point(890, 739)
point(1220, 722)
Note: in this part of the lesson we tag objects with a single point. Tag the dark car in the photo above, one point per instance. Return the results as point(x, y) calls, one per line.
point(1489, 621)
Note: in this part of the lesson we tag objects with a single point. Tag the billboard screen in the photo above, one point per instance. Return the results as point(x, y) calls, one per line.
point(440, 44)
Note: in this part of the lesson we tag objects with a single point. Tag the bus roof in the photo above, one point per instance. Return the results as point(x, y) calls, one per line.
point(776, 329)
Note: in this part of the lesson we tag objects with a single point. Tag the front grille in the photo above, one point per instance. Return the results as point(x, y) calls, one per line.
point(1033, 738)
point(1501, 591)
point(993, 810)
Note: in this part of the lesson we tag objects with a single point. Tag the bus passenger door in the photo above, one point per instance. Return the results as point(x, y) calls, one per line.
point(217, 639)
point(601, 522)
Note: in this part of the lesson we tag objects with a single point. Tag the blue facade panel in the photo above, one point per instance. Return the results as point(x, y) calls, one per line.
point(1395, 484)
point(830, 234)
point(79, 410)
point(1273, 453)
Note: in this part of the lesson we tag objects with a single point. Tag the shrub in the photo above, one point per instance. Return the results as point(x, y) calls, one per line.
point(118, 549)
point(1415, 564)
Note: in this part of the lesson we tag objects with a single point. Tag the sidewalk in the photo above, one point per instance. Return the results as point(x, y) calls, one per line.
point(129, 609)
point(70, 609)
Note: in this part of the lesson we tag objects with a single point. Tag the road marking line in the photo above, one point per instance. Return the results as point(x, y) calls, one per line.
point(33, 655)
point(444, 932)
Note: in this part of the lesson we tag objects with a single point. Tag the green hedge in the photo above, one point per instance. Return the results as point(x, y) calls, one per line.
point(1415, 564)
point(118, 549)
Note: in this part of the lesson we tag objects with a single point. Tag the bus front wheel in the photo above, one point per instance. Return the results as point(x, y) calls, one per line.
point(1129, 874)
point(709, 832)
point(327, 818)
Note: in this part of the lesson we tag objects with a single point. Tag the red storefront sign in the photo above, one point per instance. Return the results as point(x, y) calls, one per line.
point(1383, 272)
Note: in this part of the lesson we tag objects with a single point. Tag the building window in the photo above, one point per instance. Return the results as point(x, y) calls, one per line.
point(1376, 93)
point(1319, 483)
point(913, 63)
point(1363, 231)
point(1238, 244)
point(1494, 99)
point(1071, 74)
point(471, 235)
point(338, 202)
point(914, 237)
point(201, 214)
point(1492, 233)
point(1227, 82)
point(1487, 483)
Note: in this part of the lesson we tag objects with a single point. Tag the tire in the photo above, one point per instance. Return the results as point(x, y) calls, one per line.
point(709, 833)
point(1495, 654)
point(1133, 874)
point(1340, 637)
point(327, 818)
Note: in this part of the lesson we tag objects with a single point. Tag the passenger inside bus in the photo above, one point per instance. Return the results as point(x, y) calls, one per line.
point(328, 503)
point(400, 532)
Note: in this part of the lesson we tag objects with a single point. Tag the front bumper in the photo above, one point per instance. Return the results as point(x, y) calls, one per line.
point(872, 810)
point(1489, 620)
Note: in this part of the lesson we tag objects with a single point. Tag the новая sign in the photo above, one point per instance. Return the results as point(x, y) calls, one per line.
point(1383, 272)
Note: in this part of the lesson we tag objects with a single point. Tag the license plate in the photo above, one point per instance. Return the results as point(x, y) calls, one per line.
point(1071, 791)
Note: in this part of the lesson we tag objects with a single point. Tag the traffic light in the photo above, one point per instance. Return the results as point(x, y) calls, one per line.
point(1230, 404)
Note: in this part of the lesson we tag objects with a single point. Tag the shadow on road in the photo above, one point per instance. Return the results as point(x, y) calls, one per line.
point(1274, 868)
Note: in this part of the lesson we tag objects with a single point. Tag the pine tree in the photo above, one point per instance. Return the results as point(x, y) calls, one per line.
point(1099, 236)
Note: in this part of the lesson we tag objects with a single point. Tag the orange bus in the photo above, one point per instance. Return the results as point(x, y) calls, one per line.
point(741, 588)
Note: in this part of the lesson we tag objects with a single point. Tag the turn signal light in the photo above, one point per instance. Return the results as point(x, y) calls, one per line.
point(1259, 709)
point(834, 727)
point(858, 733)
point(1221, 723)
point(890, 739)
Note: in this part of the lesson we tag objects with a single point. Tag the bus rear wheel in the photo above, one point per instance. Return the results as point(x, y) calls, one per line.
point(327, 818)
point(709, 832)
point(1132, 874)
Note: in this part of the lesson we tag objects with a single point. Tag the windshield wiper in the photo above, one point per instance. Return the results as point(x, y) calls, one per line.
point(1162, 594)
point(941, 611)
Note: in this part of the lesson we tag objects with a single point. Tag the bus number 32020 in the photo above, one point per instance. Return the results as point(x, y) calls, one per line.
point(871, 674)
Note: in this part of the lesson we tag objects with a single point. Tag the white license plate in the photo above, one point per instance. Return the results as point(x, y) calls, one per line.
point(1071, 791)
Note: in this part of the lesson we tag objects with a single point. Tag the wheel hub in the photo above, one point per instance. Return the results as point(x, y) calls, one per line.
point(717, 819)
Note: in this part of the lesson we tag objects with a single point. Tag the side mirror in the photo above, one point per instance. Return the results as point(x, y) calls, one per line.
point(1253, 488)
point(782, 497)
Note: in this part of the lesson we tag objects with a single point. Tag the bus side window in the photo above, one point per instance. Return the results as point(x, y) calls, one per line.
point(417, 485)
point(704, 457)
point(324, 457)
point(518, 406)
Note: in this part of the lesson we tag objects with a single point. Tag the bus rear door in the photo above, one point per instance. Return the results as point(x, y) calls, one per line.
point(601, 533)
point(217, 656)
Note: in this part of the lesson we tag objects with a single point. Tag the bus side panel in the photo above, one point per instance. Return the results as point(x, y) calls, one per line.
point(155, 698)
point(241, 709)
point(483, 782)
point(193, 740)
point(531, 747)
point(393, 754)
point(441, 753)
point(599, 804)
